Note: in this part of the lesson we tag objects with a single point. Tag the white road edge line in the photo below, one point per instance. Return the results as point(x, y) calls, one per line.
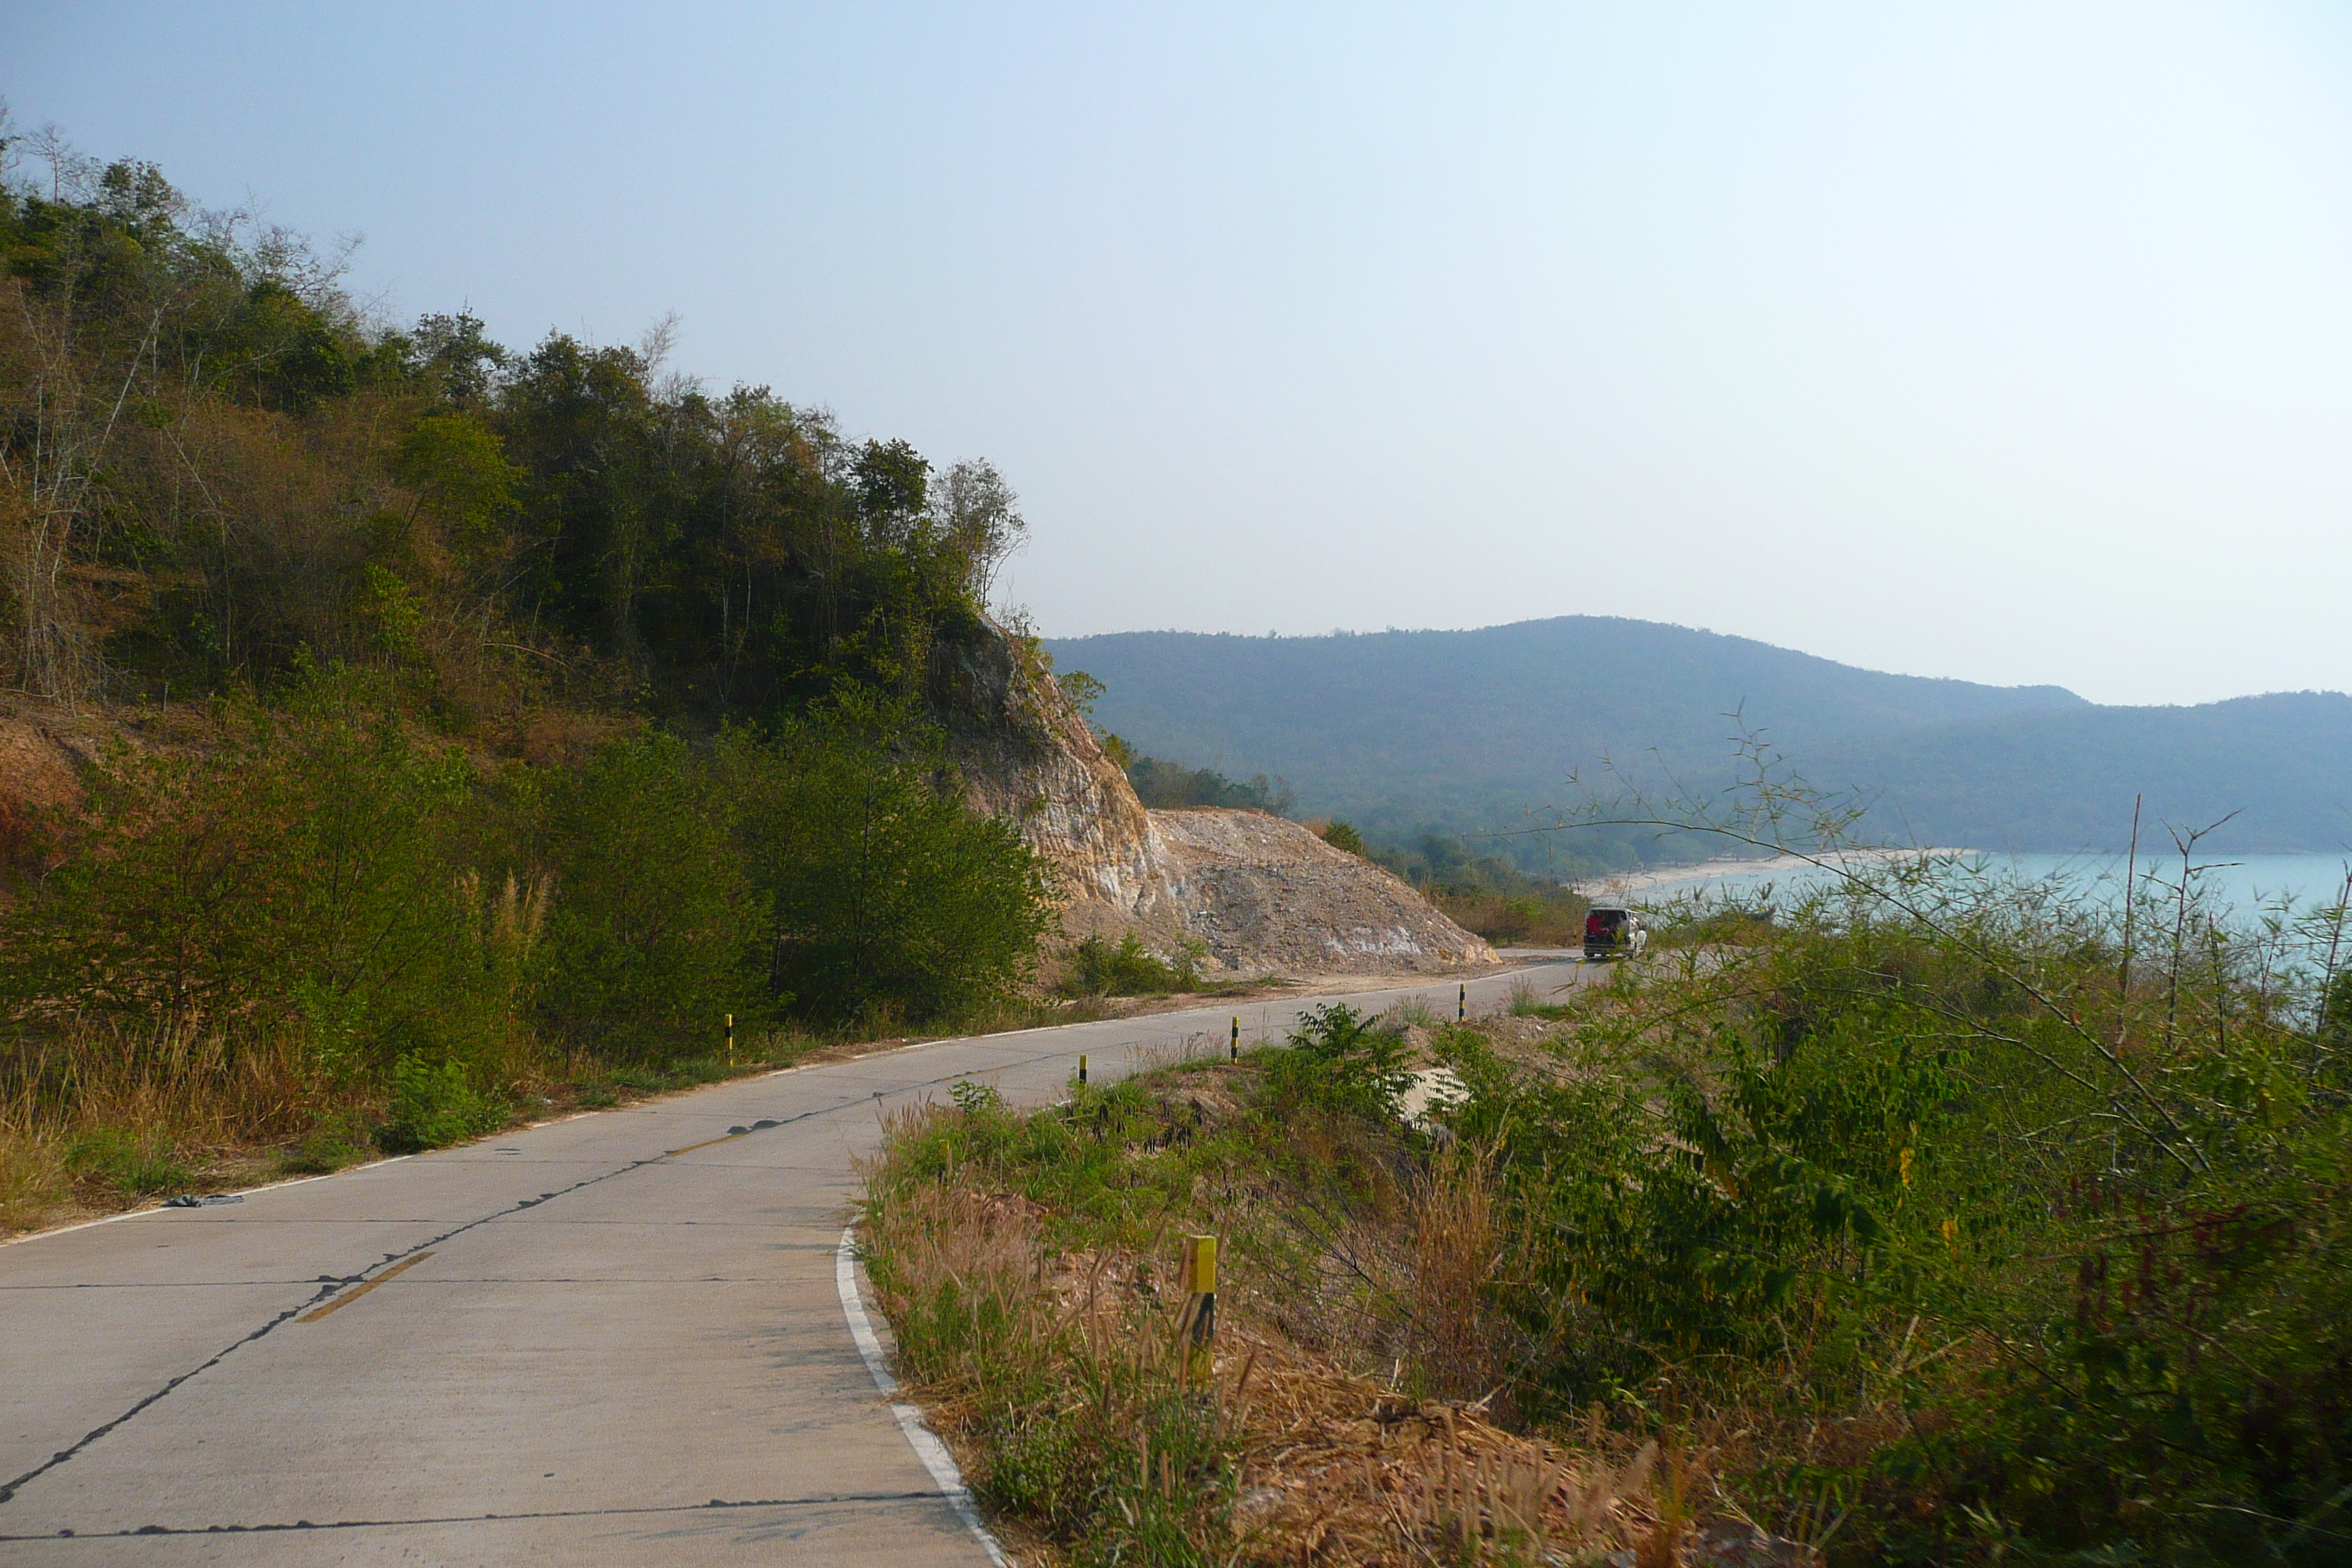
point(921, 1438)
point(159, 1209)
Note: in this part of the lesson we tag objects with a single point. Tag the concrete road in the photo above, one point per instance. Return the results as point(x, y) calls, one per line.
point(615, 1338)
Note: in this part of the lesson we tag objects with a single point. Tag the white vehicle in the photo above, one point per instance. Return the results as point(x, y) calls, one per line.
point(1612, 930)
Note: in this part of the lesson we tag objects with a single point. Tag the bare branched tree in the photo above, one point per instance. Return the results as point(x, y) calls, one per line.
point(972, 506)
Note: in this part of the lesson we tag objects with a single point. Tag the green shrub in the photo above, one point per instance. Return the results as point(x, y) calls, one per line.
point(2336, 1013)
point(654, 935)
point(1726, 925)
point(977, 1099)
point(435, 1104)
point(1162, 784)
point(882, 888)
point(1343, 1061)
point(687, 1072)
point(333, 1144)
point(1342, 835)
point(1921, 1157)
point(132, 1165)
point(299, 875)
point(1126, 968)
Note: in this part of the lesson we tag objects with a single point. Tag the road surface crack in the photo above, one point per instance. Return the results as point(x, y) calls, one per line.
point(820, 1499)
point(391, 1261)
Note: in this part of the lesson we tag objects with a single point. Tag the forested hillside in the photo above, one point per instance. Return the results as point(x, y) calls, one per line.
point(216, 462)
point(1405, 731)
point(2066, 780)
point(444, 723)
point(1401, 732)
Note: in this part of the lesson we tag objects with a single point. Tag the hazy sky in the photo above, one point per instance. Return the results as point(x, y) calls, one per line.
point(2004, 342)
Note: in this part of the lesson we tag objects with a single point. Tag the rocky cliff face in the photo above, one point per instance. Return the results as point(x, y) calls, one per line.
point(1257, 893)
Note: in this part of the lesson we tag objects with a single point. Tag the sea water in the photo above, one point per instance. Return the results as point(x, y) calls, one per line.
point(2235, 887)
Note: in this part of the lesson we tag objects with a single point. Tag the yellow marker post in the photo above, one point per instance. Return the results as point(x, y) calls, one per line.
point(730, 1039)
point(1462, 1006)
point(1200, 1276)
point(1234, 1054)
point(1082, 1067)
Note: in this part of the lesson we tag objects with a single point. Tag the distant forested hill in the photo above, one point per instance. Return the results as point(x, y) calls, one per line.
point(2066, 780)
point(1400, 730)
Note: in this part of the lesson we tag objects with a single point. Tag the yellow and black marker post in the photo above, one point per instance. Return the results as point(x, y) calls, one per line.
point(1082, 1067)
point(1200, 1274)
point(1233, 1053)
point(1462, 1004)
point(730, 1039)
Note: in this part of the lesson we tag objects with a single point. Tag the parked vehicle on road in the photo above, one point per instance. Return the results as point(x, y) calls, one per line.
point(1611, 931)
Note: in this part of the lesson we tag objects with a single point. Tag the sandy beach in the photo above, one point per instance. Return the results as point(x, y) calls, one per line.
point(1626, 884)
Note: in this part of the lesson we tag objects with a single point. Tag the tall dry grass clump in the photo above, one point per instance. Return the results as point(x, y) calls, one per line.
point(103, 1109)
point(1461, 1344)
point(207, 1088)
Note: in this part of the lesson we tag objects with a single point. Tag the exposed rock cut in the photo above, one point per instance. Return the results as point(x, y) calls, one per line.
point(1252, 892)
point(1027, 755)
point(1267, 894)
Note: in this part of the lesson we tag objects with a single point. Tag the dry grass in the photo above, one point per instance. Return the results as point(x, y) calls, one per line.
point(1340, 1470)
point(215, 1109)
point(1545, 917)
point(34, 1181)
point(1455, 1247)
point(205, 1088)
point(206, 1105)
point(1316, 1463)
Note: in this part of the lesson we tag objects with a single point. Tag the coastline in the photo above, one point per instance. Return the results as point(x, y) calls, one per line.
point(1625, 884)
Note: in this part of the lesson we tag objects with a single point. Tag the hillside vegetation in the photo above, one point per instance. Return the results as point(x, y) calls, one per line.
point(462, 727)
point(1941, 1219)
point(1402, 731)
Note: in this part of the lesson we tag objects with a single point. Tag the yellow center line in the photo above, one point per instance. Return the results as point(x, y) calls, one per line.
point(341, 1301)
point(690, 1148)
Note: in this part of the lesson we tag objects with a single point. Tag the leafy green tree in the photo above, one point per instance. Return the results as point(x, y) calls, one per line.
point(653, 934)
point(978, 516)
point(884, 889)
point(458, 469)
point(456, 359)
point(584, 425)
point(893, 484)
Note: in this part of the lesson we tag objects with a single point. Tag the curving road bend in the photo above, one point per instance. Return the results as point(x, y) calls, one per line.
point(615, 1338)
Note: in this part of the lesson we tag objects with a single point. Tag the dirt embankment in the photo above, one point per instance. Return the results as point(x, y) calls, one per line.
point(43, 748)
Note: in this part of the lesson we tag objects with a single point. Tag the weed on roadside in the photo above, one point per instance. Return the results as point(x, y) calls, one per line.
point(341, 1139)
point(1125, 968)
point(33, 1180)
point(129, 1164)
point(436, 1103)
